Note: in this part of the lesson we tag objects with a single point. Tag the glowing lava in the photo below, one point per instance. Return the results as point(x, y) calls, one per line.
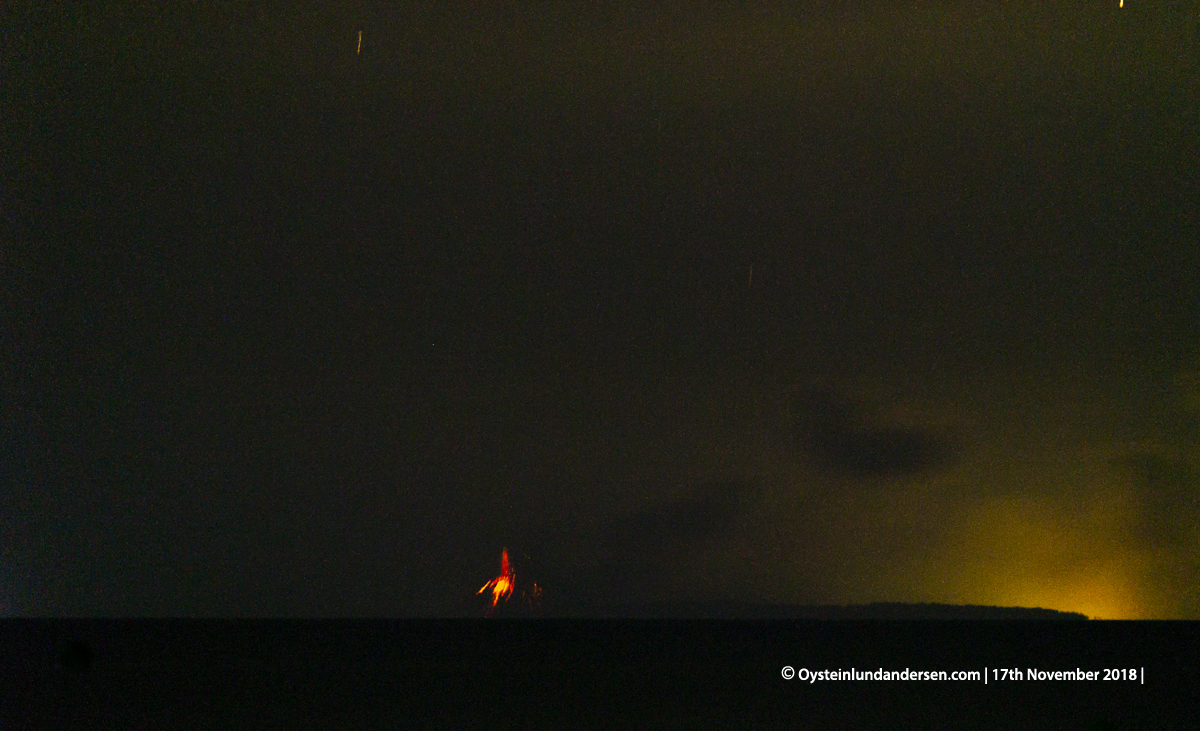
point(503, 586)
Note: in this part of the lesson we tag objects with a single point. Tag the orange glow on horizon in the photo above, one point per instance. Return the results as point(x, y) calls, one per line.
point(1034, 552)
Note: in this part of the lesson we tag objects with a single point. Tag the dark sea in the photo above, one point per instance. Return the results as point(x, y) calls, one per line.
point(584, 674)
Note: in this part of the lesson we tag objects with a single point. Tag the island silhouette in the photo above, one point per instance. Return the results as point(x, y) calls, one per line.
point(556, 608)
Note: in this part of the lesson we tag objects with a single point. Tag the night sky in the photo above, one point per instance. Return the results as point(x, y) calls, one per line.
point(817, 303)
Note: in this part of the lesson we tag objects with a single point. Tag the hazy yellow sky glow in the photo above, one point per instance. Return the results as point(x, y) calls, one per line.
point(1036, 513)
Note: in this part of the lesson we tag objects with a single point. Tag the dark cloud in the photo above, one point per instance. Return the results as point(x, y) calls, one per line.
point(708, 510)
point(630, 558)
point(834, 431)
point(1169, 496)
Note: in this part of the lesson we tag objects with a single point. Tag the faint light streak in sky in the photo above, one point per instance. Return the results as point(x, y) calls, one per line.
point(359, 43)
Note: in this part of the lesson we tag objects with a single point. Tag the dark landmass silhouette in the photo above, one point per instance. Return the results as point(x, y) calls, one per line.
point(876, 610)
point(685, 610)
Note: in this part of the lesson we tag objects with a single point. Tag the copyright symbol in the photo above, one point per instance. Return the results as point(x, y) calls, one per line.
point(788, 672)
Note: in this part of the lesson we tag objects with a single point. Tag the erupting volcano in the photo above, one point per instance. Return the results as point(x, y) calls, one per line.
point(503, 586)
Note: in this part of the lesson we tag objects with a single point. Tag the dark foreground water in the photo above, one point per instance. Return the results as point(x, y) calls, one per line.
point(582, 674)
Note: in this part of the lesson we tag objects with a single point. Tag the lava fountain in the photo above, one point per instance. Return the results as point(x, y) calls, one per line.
point(503, 586)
